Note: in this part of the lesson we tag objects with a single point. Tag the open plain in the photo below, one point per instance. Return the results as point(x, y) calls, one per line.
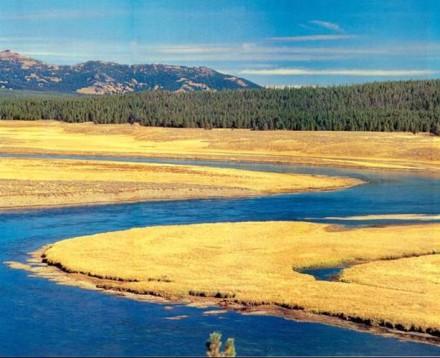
point(348, 149)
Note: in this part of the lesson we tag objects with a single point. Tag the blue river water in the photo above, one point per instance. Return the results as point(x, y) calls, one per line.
point(40, 318)
point(324, 273)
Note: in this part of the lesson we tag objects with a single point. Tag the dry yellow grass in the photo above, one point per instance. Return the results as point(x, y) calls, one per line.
point(254, 263)
point(414, 274)
point(47, 182)
point(353, 149)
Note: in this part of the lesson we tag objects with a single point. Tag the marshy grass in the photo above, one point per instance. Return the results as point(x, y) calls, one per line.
point(395, 284)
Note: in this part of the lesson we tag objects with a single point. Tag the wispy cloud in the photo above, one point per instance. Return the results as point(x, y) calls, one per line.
point(194, 49)
point(54, 51)
point(332, 26)
point(339, 72)
point(307, 38)
point(242, 52)
point(287, 52)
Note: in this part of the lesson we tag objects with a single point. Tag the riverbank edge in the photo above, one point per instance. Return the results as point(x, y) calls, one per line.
point(350, 182)
point(338, 162)
point(39, 266)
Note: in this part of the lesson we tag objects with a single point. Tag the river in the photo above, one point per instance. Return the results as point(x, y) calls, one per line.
point(39, 317)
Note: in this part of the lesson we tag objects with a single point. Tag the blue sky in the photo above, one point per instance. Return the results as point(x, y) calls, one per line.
point(272, 42)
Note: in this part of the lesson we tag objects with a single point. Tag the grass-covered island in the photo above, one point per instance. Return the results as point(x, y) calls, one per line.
point(391, 279)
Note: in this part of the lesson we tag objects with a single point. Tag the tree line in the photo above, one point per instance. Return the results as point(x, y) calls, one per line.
point(410, 106)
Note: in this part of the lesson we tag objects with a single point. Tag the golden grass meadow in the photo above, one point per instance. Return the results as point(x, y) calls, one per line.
point(393, 281)
point(27, 183)
point(391, 273)
point(349, 149)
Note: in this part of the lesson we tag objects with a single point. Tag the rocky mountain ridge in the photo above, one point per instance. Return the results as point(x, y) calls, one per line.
point(19, 72)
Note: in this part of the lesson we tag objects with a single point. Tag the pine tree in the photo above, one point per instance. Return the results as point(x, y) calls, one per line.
point(214, 345)
point(395, 106)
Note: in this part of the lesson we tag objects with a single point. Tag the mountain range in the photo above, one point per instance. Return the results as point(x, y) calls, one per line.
point(19, 72)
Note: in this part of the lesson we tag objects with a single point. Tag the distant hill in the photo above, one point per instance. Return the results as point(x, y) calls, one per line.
point(19, 72)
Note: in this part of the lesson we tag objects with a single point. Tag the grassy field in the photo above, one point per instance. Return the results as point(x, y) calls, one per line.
point(352, 149)
point(392, 284)
point(48, 182)
point(414, 274)
point(393, 280)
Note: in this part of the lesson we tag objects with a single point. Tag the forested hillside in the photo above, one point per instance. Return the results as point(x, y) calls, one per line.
point(388, 106)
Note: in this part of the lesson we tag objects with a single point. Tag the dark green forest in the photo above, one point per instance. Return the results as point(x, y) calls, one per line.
point(411, 106)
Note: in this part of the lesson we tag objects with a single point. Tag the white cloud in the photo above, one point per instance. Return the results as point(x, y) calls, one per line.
point(307, 38)
point(339, 72)
point(192, 49)
point(249, 51)
point(56, 51)
point(327, 25)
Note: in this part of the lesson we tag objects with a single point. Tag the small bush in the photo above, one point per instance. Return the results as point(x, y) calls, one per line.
point(214, 345)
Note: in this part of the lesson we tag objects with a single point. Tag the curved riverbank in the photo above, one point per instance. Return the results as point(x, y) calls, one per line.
point(400, 151)
point(257, 274)
point(68, 182)
point(37, 266)
point(34, 309)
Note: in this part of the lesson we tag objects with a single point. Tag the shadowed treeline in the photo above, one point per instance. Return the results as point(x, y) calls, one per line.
point(411, 106)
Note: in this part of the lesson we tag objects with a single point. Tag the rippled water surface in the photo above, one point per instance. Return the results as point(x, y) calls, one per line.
point(38, 317)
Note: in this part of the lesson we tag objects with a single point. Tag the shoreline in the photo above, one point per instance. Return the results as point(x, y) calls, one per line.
point(38, 265)
point(56, 183)
point(14, 209)
point(258, 274)
point(352, 149)
point(341, 163)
